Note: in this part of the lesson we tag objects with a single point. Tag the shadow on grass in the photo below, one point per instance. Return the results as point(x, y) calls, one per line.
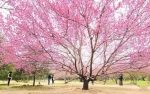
point(31, 87)
point(3, 86)
point(115, 88)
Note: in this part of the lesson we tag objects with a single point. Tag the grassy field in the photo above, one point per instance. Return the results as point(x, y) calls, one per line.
point(138, 83)
point(71, 88)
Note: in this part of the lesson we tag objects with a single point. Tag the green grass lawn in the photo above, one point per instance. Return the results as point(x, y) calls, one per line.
point(2, 86)
point(142, 83)
point(60, 83)
point(128, 82)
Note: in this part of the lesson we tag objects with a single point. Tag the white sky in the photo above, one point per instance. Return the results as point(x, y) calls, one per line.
point(4, 12)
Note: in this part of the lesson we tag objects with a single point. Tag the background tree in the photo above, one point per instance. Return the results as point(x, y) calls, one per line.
point(4, 70)
point(84, 37)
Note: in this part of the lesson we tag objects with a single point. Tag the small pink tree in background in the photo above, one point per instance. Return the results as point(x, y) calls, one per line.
point(83, 37)
point(35, 63)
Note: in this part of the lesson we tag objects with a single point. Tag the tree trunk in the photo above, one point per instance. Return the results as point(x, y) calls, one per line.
point(85, 85)
point(143, 78)
point(34, 80)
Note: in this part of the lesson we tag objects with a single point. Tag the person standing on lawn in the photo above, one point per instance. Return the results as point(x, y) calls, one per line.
point(9, 77)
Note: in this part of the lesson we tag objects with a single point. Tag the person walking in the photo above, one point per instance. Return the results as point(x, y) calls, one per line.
point(104, 77)
point(92, 80)
point(53, 79)
point(9, 77)
point(49, 78)
point(121, 79)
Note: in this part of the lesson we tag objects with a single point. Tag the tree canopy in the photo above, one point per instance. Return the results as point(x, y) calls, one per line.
point(83, 37)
